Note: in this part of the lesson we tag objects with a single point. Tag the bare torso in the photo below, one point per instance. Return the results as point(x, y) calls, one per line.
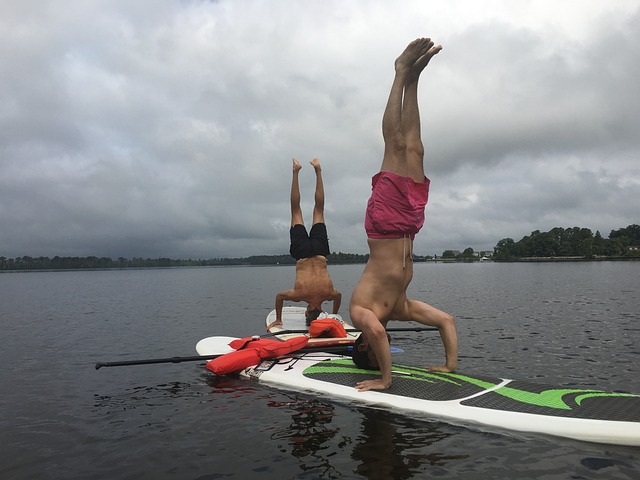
point(313, 283)
point(383, 285)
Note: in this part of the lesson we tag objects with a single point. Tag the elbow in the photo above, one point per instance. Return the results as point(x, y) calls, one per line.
point(377, 331)
point(448, 323)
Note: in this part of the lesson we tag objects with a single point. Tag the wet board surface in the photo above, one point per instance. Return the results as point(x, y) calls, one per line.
point(580, 414)
point(293, 318)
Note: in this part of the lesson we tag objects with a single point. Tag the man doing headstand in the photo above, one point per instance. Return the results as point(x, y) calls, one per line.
point(313, 283)
point(395, 213)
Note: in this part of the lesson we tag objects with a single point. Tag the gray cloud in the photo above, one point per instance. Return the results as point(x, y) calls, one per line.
point(163, 128)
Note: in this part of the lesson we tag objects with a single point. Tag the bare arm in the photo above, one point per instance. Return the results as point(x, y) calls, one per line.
point(337, 300)
point(280, 298)
point(376, 336)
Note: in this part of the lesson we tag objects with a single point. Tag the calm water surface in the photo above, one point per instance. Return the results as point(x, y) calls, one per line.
point(574, 324)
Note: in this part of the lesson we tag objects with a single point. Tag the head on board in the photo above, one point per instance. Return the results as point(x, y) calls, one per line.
point(362, 354)
point(311, 314)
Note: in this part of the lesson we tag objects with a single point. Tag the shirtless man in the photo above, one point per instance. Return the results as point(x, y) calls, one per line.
point(313, 283)
point(395, 213)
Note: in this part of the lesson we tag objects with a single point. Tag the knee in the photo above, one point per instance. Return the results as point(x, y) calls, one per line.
point(356, 314)
point(364, 319)
point(449, 321)
point(377, 330)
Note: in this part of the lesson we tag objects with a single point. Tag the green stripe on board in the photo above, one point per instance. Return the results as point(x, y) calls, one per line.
point(550, 398)
point(413, 375)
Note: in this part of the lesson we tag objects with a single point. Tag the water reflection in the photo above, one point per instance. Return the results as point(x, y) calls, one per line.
point(142, 395)
point(389, 447)
point(310, 426)
point(384, 445)
point(310, 437)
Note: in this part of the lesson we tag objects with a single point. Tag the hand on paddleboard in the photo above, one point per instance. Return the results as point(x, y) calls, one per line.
point(273, 324)
point(376, 384)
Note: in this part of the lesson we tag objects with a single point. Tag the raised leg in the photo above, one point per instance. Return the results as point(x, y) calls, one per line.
point(318, 208)
point(394, 159)
point(428, 315)
point(296, 211)
point(410, 117)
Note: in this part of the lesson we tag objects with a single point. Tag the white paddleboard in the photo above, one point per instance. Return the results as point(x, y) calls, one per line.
point(293, 319)
point(580, 414)
point(214, 346)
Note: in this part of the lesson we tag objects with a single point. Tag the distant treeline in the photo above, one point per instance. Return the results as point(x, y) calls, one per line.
point(579, 243)
point(78, 263)
point(571, 242)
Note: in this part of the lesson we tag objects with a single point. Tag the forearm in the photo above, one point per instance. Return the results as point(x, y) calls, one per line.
point(375, 336)
point(380, 346)
point(279, 305)
point(337, 301)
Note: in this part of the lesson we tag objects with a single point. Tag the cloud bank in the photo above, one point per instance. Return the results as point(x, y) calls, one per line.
point(166, 128)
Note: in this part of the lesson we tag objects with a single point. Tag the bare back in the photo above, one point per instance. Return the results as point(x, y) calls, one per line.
point(313, 283)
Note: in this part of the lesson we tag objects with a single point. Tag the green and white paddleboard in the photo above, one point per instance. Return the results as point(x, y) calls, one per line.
point(580, 414)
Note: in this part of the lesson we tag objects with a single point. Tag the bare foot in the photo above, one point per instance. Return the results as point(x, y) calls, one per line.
point(412, 53)
point(422, 62)
point(296, 166)
point(316, 164)
point(441, 368)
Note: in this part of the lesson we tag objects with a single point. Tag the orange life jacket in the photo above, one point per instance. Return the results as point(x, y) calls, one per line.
point(327, 327)
point(250, 351)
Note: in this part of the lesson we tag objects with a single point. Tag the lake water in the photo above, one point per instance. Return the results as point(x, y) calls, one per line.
point(573, 324)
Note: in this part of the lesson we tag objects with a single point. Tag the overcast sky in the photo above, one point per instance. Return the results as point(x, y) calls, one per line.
point(166, 128)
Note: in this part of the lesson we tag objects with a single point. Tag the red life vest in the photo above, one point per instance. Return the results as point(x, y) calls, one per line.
point(249, 352)
point(327, 327)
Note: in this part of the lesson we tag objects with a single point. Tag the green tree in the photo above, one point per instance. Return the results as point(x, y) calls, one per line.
point(632, 234)
point(468, 253)
point(597, 245)
point(504, 249)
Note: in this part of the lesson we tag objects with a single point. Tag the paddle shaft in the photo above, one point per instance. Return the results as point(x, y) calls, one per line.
point(148, 361)
point(399, 329)
point(196, 358)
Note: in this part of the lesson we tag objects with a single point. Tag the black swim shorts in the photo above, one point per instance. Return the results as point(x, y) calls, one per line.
point(304, 245)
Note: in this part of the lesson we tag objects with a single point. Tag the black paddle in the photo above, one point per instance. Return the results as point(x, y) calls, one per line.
point(333, 349)
point(197, 358)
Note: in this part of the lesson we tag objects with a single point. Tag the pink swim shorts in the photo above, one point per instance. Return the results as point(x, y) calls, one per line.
point(396, 206)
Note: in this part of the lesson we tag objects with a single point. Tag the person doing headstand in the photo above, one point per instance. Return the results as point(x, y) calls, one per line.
point(395, 214)
point(313, 284)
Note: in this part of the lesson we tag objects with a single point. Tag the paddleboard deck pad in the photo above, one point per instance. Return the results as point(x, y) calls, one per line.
point(293, 318)
point(580, 414)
